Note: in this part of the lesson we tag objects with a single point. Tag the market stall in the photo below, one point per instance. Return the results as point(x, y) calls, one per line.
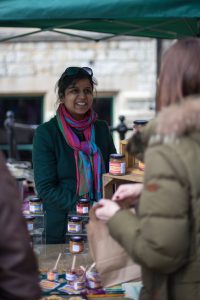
point(60, 287)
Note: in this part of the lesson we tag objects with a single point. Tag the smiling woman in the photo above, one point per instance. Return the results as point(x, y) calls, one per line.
point(75, 90)
point(78, 98)
point(70, 152)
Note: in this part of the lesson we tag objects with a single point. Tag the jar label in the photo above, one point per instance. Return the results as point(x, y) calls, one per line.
point(85, 210)
point(79, 285)
point(70, 276)
point(30, 226)
point(52, 276)
point(82, 210)
point(76, 248)
point(117, 168)
point(74, 227)
point(93, 284)
point(35, 208)
point(93, 276)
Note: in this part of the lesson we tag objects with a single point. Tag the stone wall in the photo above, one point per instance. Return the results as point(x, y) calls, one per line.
point(125, 70)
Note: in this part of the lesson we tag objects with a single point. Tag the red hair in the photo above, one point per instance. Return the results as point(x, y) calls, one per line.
point(180, 72)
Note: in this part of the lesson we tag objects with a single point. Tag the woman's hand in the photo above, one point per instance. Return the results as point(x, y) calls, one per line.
point(106, 209)
point(129, 192)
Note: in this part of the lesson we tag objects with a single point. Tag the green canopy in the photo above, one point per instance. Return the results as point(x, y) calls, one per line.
point(168, 19)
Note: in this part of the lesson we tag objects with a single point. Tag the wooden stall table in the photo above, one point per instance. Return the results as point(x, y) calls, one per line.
point(47, 259)
point(48, 256)
point(111, 182)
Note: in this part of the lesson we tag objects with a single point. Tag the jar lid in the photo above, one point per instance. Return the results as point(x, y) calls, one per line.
point(35, 199)
point(83, 200)
point(117, 156)
point(20, 178)
point(74, 218)
point(76, 238)
point(140, 122)
point(29, 218)
point(52, 271)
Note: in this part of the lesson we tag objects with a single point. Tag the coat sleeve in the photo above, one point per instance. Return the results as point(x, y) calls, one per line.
point(19, 274)
point(59, 195)
point(158, 237)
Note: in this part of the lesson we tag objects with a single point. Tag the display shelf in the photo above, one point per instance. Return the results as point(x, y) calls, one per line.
point(111, 182)
point(83, 233)
point(86, 216)
point(47, 261)
point(129, 159)
point(36, 229)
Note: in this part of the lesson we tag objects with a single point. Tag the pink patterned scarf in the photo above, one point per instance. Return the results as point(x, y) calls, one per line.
point(88, 157)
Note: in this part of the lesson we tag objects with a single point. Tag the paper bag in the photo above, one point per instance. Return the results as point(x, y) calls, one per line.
point(113, 264)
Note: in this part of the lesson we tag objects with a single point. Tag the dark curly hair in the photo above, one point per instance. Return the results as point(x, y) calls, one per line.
point(66, 80)
point(180, 72)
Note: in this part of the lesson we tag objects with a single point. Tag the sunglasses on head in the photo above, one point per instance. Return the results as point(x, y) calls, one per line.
point(71, 71)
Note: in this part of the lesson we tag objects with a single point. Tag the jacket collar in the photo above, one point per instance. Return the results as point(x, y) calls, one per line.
point(169, 125)
point(176, 121)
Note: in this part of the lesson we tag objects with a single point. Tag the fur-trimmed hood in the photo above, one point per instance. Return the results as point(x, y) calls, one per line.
point(169, 125)
point(178, 120)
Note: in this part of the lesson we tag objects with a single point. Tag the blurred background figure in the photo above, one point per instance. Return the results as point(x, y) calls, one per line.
point(9, 126)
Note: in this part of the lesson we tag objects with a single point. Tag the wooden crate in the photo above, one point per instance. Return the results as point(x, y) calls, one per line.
point(111, 182)
point(130, 159)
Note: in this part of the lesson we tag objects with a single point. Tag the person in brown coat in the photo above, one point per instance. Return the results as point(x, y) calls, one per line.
point(18, 266)
point(164, 234)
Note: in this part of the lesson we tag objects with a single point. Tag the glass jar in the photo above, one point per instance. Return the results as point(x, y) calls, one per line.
point(83, 206)
point(93, 279)
point(79, 284)
point(141, 165)
point(73, 275)
point(117, 164)
point(76, 244)
point(74, 224)
point(137, 125)
point(52, 275)
point(30, 222)
point(70, 276)
point(35, 205)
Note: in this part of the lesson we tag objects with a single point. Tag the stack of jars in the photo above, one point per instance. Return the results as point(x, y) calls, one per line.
point(76, 226)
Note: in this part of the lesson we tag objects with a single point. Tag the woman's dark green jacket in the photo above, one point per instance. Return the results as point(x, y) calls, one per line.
point(55, 173)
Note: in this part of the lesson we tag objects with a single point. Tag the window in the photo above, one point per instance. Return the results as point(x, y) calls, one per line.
point(103, 107)
point(28, 110)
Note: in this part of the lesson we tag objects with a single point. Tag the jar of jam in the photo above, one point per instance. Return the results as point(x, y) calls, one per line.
point(83, 206)
point(52, 275)
point(76, 244)
point(30, 222)
point(79, 284)
point(94, 284)
point(93, 276)
point(137, 125)
point(35, 205)
point(71, 276)
point(74, 224)
point(117, 164)
point(141, 165)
